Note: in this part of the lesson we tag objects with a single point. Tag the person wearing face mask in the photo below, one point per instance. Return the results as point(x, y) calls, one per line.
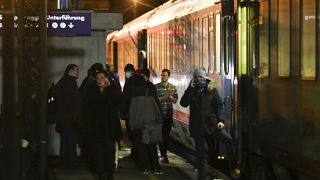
point(125, 102)
point(206, 117)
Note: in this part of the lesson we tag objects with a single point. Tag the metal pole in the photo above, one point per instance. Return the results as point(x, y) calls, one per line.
point(11, 125)
point(20, 84)
point(44, 87)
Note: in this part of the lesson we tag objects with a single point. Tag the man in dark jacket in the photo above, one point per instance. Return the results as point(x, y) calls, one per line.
point(125, 103)
point(206, 118)
point(68, 113)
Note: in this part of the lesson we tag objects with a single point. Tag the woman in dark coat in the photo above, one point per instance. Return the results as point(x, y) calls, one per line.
point(147, 153)
point(104, 125)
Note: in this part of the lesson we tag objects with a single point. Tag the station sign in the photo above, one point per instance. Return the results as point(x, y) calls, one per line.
point(59, 23)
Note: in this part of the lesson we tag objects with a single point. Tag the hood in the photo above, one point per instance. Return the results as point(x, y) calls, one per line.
point(211, 84)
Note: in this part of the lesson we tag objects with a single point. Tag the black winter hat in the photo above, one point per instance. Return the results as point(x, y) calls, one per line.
point(129, 67)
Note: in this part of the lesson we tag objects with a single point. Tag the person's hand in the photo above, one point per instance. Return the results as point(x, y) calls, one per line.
point(165, 96)
point(192, 83)
point(169, 92)
point(220, 125)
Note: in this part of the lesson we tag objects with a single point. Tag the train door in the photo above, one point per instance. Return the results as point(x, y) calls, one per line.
point(142, 49)
point(115, 54)
point(248, 71)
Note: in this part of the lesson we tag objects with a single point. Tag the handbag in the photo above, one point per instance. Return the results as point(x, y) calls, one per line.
point(152, 135)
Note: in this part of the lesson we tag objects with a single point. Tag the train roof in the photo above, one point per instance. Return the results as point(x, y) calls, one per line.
point(164, 13)
point(111, 35)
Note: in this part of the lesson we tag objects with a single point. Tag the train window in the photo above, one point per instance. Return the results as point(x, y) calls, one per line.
point(154, 50)
point(175, 49)
point(308, 40)
point(169, 48)
point(211, 45)
point(205, 43)
point(148, 51)
point(217, 43)
point(151, 51)
point(160, 60)
point(159, 50)
point(163, 60)
point(284, 38)
point(165, 49)
point(226, 37)
point(154, 37)
point(180, 39)
point(191, 47)
point(134, 53)
point(242, 42)
point(186, 47)
point(264, 40)
point(196, 44)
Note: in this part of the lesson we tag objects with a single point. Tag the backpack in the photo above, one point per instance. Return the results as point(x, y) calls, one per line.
point(52, 105)
point(143, 112)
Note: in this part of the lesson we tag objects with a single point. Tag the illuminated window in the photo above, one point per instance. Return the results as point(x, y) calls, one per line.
point(264, 39)
point(211, 45)
point(218, 43)
point(196, 44)
point(308, 40)
point(284, 38)
point(205, 40)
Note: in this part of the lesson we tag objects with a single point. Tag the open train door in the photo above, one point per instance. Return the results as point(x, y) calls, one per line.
point(247, 71)
point(142, 49)
point(115, 54)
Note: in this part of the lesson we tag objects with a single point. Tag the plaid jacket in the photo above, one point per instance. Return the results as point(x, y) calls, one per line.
point(166, 105)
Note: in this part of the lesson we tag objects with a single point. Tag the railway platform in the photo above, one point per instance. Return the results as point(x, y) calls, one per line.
point(178, 168)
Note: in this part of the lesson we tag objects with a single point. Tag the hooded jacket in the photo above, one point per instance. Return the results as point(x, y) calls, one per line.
point(206, 108)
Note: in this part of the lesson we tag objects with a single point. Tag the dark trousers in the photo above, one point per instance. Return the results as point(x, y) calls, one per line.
point(104, 156)
point(68, 145)
point(147, 153)
point(166, 128)
point(130, 136)
point(220, 134)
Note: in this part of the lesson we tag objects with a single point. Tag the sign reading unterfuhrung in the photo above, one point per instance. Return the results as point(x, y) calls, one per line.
point(59, 23)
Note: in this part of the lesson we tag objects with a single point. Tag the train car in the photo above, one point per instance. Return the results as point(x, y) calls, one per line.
point(278, 85)
point(264, 56)
point(181, 36)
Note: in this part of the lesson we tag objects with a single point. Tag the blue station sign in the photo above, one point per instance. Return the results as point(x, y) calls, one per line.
point(69, 23)
point(59, 23)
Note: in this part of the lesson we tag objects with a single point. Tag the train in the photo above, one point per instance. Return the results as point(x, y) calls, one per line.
point(264, 57)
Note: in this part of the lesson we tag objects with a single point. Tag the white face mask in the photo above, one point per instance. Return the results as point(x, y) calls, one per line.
point(128, 74)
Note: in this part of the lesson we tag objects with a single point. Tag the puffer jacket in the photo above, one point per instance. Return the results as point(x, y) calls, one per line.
point(206, 108)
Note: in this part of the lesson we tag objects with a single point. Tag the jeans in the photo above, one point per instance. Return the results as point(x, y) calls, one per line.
point(220, 134)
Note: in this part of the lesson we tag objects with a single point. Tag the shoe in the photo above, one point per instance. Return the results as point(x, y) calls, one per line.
point(145, 171)
point(196, 169)
point(129, 157)
point(164, 160)
point(158, 171)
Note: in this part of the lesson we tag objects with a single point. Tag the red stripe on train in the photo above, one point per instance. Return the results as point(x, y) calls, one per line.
point(181, 116)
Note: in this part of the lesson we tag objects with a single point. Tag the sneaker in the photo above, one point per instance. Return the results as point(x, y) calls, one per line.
point(158, 171)
point(145, 171)
point(129, 157)
point(164, 160)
